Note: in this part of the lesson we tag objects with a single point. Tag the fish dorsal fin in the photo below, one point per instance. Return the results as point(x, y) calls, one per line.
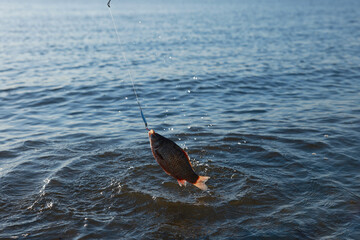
point(187, 156)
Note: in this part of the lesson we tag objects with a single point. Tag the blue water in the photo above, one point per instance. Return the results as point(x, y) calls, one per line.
point(263, 95)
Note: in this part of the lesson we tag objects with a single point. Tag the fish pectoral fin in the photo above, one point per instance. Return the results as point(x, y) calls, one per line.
point(182, 182)
point(200, 183)
point(160, 161)
point(158, 155)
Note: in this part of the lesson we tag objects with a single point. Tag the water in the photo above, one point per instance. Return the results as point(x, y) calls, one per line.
point(263, 96)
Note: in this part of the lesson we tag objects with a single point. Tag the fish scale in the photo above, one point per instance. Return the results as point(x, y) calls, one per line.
point(174, 161)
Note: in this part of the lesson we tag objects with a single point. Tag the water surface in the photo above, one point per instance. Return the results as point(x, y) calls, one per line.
point(263, 96)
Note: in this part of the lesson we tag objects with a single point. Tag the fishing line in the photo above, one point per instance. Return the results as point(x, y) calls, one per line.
point(128, 68)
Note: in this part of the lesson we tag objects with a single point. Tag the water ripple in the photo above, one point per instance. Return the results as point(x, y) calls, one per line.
point(263, 98)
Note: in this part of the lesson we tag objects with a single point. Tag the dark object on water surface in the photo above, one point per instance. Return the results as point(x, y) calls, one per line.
point(175, 161)
point(170, 156)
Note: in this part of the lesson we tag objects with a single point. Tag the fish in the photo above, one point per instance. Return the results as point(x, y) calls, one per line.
point(175, 161)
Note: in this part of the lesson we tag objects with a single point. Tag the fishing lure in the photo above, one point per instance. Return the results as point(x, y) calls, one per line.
point(171, 158)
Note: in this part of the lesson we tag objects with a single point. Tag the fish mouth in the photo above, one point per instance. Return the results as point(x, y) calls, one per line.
point(151, 132)
point(152, 138)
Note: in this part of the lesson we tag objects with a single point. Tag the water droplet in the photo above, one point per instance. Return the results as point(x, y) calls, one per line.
point(189, 91)
point(126, 98)
point(49, 205)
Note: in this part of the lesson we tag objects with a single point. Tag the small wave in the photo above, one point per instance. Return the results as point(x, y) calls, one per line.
point(47, 101)
point(6, 70)
point(7, 154)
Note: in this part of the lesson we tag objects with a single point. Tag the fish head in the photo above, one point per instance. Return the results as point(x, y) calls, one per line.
point(155, 139)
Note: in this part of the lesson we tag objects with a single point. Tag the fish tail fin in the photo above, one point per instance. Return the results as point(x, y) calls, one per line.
point(200, 183)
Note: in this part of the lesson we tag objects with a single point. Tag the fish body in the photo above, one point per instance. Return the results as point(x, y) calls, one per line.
point(174, 161)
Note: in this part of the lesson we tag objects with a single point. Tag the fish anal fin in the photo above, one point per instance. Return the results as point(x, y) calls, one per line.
point(200, 183)
point(182, 182)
